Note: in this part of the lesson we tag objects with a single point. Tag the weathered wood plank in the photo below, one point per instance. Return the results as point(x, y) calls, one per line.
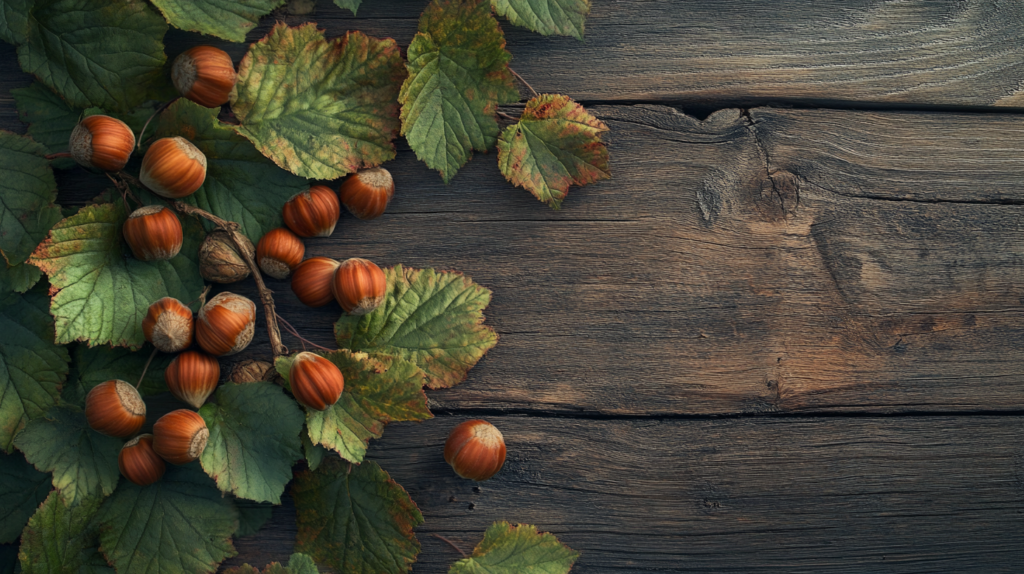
point(936, 494)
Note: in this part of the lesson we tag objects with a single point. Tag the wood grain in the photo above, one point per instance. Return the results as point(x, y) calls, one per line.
point(921, 494)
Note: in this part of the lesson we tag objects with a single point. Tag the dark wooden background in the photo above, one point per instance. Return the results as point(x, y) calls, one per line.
point(787, 336)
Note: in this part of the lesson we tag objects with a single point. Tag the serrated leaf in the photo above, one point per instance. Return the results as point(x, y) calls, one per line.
point(19, 278)
point(508, 549)
point(547, 17)
point(50, 120)
point(555, 144)
point(27, 192)
point(433, 319)
point(14, 20)
point(228, 19)
point(83, 461)
point(355, 519)
point(179, 524)
point(32, 367)
point(241, 184)
point(297, 564)
point(320, 108)
point(22, 488)
point(59, 539)
point(314, 453)
point(352, 5)
point(458, 75)
point(102, 293)
point(95, 52)
point(251, 516)
point(94, 365)
point(254, 440)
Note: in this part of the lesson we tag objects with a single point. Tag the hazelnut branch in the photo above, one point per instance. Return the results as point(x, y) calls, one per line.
point(525, 83)
point(295, 333)
point(450, 543)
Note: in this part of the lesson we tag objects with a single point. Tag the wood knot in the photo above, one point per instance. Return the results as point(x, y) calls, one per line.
point(779, 196)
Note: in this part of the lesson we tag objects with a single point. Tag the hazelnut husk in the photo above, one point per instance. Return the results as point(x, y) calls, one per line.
point(219, 260)
point(250, 371)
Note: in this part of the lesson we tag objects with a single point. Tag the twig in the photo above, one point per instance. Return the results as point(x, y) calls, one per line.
point(58, 155)
point(201, 298)
point(508, 117)
point(123, 187)
point(525, 83)
point(452, 544)
point(146, 368)
point(163, 107)
point(288, 327)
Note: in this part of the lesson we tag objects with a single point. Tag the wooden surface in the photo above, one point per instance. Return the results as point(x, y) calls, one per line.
point(780, 339)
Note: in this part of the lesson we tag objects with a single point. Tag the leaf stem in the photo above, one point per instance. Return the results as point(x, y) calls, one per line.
point(126, 191)
point(58, 155)
point(450, 543)
point(508, 117)
point(146, 368)
point(288, 327)
point(163, 107)
point(525, 83)
point(201, 298)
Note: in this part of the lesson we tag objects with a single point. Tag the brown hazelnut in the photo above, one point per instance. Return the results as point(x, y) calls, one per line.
point(219, 260)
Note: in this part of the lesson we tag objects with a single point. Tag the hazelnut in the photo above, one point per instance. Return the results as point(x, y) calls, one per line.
point(173, 168)
point(226, 324)
point(180, 436)
point(311, 281)
point(366, 194)
point(250, 371)
point(138, 461)
point(316, 382)
point(312, 213)
point(219, 260)
point(475, 449)
point(192, 376)
point(102, 142)
point(359, 286)
point(205, 75)
point(114, 408)
point(278, 252)
point(168, 325)
point(153, 233)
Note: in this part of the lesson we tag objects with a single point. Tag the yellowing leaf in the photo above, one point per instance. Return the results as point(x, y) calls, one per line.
point(228, 19)
point(561, 17)
point(555, 144)
point(320, 108)
point(458, 75)
point(59, 538)
point(508, 549)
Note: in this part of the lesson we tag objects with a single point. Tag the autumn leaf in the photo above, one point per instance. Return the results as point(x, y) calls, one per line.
point(378, 390)
point(297, 564)
point(356, 521)
point(314, 453)
point(59, 538)
point(101, 291)
point(94, 52)
point(27, 211)
point(433, 319)
point(547, 17)
point(32, 367)
point(22, 488)
point(508, 549)
point(555, 144)
point(320, 108)
point(228, 19)
point(254, 440)
point(458, 75)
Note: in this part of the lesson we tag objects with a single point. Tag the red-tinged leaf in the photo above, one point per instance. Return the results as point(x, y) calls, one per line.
point(555, 144)
point(297, 564)
point(508, 549)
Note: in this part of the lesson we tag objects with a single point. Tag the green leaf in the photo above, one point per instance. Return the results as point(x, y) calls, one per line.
point(254, 440)
point(547, 17)
point(508, 549)
point(50, 120)
point(27, 211)
point(251, 516)
point(352, 5)
point(95, 365)
point(22, 488)
point(297, 564)
point(14, 20)
point(181, 523)
point(320, 108)
point(19, 278)
point(83, 461)
point(60, 539)
point(355, 519)
point(32, 367)
point(555, 144)
point(241, 184)
point(458, 75)
point(314, 453)
point(228, 19)
point(102, 292)
point(95, 52)
point(377, 391)
point(432, 319)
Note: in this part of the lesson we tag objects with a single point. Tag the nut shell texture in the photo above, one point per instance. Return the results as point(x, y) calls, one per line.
point(114, 408)
point(225, 325)
point(475, 449)
point(278, 252)
point(180, 436)
point(205, 75)
point(192, 376)
point(316, 382)
point(153, 233)
point(102, 142)
point(312, 213)
point(359, 286)
point(173, 168)
point(138, 461)
point(219, 260)
point(168, 325)
point(311, 281)
point(366, 194)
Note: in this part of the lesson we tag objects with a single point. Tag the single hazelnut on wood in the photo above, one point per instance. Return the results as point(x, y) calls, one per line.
point(250, 371)
point(316, 382)
point(180, 436)
point(153, 233)
point(278, 252)
point(225, 325)
point(102, 142)
point(138, 461)
point(168, 325)
point(311, 281)
point(114, 408)
point(173, 168)
point(475, 449)
point(192, 376)
point(219, 259)
point(312, 213)
point(205, 75)
point(359, 286)
point(366, 194)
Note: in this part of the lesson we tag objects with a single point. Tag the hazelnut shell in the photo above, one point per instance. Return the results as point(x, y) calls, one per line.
point(278, 252)
point(192, 376)
point(311, 281)
point(366, 194)
point(168, 325)
point(359, 286)
point(180, 436)
point(173, 168)
point(219, 260)
point(315, 382)
point(475, 449)
point(153, 233)
point(225, 325)
point(312, 213)
point(114, 408)
point(138, 461)
point(102, 142)
point(205, 75)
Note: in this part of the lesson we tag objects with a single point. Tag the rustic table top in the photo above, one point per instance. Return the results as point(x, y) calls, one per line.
point(786, 336)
